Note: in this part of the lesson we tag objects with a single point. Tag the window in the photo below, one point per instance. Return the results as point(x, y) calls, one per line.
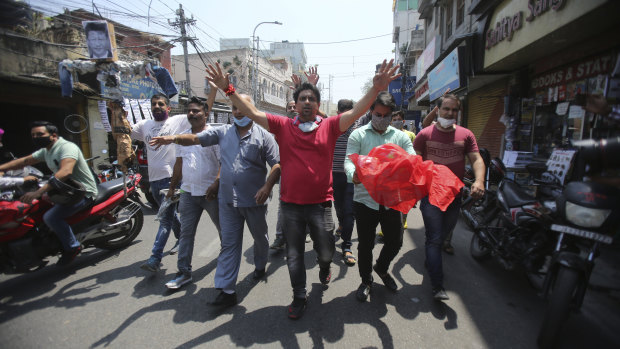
point(273, 89)
point(460, 12)
point(449, 21)
point(281, 92)
point(404, 5)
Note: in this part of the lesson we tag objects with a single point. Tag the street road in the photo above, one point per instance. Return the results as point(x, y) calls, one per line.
point(105, 300)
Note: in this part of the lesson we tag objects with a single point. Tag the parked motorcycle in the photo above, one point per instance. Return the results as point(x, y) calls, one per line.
point(588, 214)
point(143, 169)
point(112, 222)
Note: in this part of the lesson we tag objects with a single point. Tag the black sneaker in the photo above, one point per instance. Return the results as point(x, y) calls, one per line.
point(297, 308)
point(224, 300)
point(325, 275)
point(387, 279)
point(258, 273)
point(439, 294)
point(279, 243)
point(68, 256)
point(362, 292)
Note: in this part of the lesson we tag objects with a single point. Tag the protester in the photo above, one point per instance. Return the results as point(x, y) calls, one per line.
point(447, 144)
point(306, 188)
point(246, 149)
point(368, 213)
point(161, 163)
point(66, 161)
point(198, 167)
point(343, 190)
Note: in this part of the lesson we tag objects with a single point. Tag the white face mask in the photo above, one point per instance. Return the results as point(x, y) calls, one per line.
point(398, 124)
point(446, 123)
point(308, 126)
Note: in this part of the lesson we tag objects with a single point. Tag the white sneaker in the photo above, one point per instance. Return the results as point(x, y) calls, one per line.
point(180, 280)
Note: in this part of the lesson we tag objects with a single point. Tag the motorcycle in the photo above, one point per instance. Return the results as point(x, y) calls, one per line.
point(588, 214)
point(112, 222)
point(143, 169)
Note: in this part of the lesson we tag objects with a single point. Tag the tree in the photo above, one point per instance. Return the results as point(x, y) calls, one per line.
point(367, 86)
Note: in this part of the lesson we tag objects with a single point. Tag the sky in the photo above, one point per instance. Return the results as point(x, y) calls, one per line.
point(316, 23)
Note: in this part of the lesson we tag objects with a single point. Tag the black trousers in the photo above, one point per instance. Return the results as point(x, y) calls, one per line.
point(366, 220)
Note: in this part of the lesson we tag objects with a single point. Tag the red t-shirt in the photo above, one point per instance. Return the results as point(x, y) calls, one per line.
point(446, 148)
point(306, 159)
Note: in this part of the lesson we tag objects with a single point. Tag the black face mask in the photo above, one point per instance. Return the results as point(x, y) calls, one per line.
point(41, 142)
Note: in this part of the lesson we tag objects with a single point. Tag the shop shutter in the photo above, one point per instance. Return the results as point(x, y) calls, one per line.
point(485, 106)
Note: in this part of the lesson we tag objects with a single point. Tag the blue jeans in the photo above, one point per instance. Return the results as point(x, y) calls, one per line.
point(438, 225)
point(232, 220)
point(169, 221)
point(343, 200)
point(295, 219)
point(55, 220)
point(190, 210)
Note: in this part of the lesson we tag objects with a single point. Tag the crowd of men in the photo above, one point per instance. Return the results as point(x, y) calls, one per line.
point(230, 171)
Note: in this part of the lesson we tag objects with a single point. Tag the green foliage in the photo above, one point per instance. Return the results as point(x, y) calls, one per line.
point(227, 64)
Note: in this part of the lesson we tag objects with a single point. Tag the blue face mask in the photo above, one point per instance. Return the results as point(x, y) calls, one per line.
point(243, 122)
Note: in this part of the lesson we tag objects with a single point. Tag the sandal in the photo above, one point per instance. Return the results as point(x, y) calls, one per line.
point(349, 258)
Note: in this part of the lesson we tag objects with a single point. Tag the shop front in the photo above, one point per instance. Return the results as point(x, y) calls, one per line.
point(554, 53)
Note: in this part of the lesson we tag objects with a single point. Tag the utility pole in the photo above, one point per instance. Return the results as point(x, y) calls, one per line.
point(181, 22)
point(329, 102)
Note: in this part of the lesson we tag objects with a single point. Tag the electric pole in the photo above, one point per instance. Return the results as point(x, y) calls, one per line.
point(329, 102)
point(181, 22)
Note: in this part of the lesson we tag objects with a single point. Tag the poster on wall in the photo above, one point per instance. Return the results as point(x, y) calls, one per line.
point(597, 85)
point(559, 163)
point(100, 40)
point(528, 107)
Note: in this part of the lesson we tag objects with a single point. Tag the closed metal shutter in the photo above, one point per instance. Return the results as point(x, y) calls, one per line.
point(485, 107)
point(481, 104)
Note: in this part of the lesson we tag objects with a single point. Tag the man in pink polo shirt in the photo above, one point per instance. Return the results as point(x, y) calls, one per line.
point(306, 162)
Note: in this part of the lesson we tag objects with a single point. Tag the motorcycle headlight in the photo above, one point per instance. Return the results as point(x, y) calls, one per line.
point(586, 217)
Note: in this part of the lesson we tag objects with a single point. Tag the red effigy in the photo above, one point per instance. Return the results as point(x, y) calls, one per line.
point(397, 179)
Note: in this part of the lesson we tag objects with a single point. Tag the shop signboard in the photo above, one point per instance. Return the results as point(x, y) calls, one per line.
point(422, 91)
point(395, 89)
point(445, 75)
point(134, 88)
point(427, 57)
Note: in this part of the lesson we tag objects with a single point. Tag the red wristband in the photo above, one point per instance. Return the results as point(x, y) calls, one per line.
point(230, 90)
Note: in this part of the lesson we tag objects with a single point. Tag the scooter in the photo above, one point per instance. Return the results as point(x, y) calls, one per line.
point(112, 222)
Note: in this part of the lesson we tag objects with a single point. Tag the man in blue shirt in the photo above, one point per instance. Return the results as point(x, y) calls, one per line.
point(245, 149)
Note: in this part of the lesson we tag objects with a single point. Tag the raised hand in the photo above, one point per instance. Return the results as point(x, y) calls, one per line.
point(385, 75)
point(296, 81)
point(217, 77)
point(313, 78)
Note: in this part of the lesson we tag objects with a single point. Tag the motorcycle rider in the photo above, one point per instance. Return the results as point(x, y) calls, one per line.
point(66, 161)
point(447, 144)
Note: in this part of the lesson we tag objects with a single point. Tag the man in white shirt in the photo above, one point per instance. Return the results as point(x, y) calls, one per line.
point(199, 168)
point(161, 162)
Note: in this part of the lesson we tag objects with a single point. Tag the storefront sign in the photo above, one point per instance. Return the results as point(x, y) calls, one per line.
point(421, 91)
point(591, 67)
point(427, 58)
point(135, 88)
point(445, 75)
point(505, 27)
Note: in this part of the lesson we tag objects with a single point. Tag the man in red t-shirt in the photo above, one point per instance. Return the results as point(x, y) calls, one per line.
point(306, 162)
point(447, 144)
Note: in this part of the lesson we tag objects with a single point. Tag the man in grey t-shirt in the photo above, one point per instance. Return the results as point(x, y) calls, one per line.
point(66, 161)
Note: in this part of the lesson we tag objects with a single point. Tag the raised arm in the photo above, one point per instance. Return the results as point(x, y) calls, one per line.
point(211, 97)
point(379, 83)
point(245, 107)
point(430, 117)
point(183, 139)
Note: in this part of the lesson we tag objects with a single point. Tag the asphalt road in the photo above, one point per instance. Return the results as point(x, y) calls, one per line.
point(105, 300)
